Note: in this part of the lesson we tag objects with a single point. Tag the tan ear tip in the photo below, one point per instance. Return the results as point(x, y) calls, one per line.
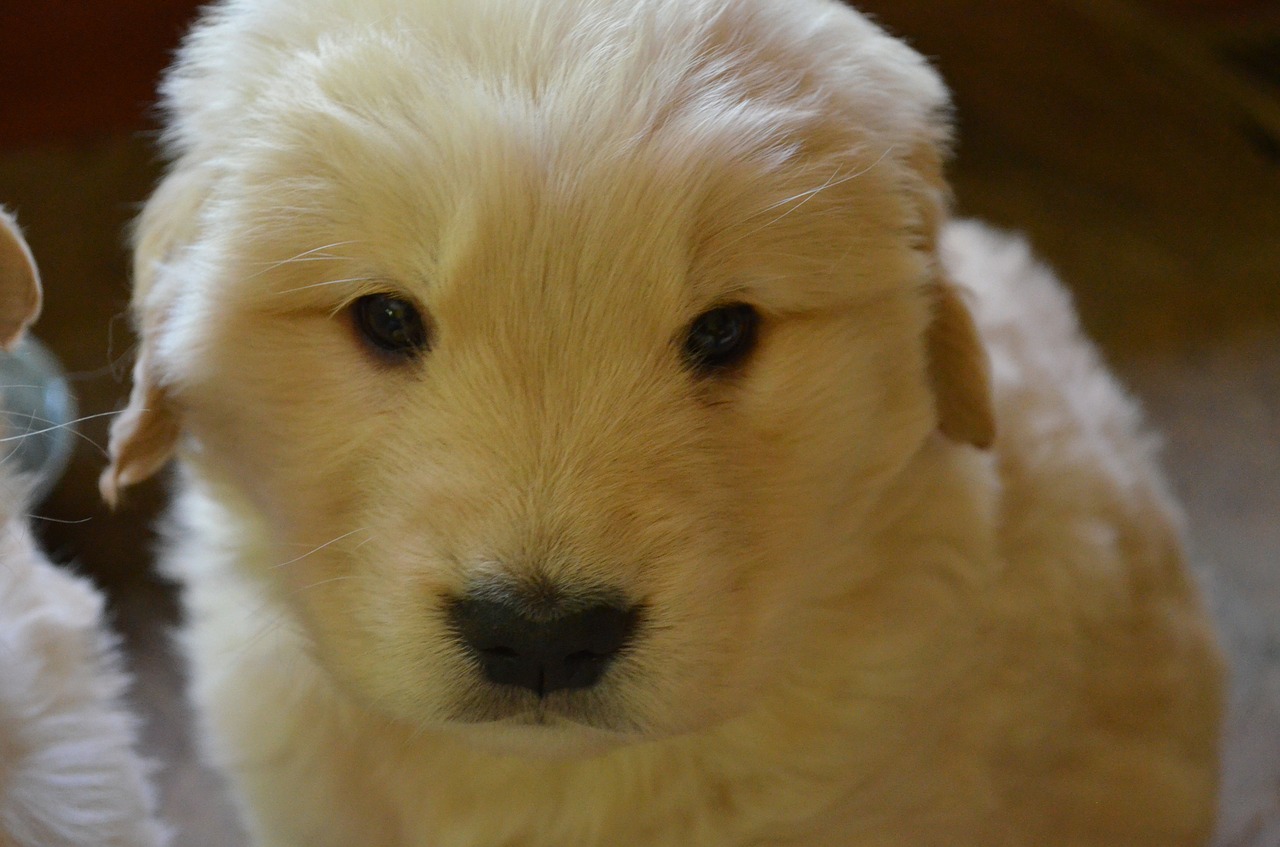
point(20, 295)
point(984, 437)
point(109, 487)
point(972, 426)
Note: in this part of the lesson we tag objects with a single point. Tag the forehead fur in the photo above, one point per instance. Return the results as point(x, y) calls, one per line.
point(574, 58)
point(717, 115)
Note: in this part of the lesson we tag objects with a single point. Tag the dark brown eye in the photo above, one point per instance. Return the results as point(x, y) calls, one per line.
point(391, 325)
point(721, 338)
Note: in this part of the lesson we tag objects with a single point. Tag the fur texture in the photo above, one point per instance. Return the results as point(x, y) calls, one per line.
point(69, 776)
point(910, 574)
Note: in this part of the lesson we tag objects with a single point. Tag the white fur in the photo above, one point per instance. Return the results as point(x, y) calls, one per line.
point(69, 776)
point(870, 623)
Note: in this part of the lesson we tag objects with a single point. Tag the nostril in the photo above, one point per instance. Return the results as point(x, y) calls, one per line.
point(546, 652)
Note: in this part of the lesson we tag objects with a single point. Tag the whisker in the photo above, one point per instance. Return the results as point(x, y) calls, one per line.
point(832, 181)
point(320, 582)
point(805, 196)
point(112, 368)
point(13, 451)
point(319, 548)
point(308, 256)
point(278, 621)
point(62, 425)
point(327, 282)
point(54, 426)
point(271, 626)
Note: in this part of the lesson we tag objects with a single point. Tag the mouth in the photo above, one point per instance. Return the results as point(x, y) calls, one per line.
point(544, 719)
point(543, 731)
point(497, 706)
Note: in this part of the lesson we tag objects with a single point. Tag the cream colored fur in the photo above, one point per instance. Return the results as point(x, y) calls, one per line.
point(912, 576)
point(69, 776)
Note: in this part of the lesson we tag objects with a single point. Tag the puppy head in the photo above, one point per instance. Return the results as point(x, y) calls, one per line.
point(561, 352)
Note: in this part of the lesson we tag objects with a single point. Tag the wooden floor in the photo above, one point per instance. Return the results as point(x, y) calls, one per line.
point(1140, 154)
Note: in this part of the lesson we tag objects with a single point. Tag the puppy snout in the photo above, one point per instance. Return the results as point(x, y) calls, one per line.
point(539, 648)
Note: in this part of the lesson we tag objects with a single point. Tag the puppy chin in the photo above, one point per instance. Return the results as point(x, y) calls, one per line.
point(537, 735)
point(500, 722)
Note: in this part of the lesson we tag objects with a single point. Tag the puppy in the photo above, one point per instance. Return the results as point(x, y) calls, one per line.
point(69, 776)
point(587, 437)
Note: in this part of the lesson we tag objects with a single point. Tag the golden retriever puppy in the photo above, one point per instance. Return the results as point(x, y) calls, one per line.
point(69, 776)
point(587, 438)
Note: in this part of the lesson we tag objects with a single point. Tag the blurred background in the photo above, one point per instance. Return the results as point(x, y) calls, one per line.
point(1135, 142)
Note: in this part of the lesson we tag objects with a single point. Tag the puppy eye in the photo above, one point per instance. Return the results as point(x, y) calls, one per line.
point(391, 324)
point(721, 338)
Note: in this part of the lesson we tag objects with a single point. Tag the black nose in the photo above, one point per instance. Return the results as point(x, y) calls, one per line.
point(542, 651)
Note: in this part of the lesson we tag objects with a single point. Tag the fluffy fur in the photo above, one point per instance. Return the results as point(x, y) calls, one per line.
point(69, 776)
point(910, 575)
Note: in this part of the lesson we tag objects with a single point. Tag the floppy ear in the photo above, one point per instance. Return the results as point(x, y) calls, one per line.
point(145, 434)
point(19, 283)
point(959, 370)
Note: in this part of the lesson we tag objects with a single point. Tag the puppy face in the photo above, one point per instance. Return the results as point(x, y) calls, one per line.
point(560, 388)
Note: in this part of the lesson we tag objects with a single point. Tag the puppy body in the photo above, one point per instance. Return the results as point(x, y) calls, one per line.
point(69, 773)
point(869, 619)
